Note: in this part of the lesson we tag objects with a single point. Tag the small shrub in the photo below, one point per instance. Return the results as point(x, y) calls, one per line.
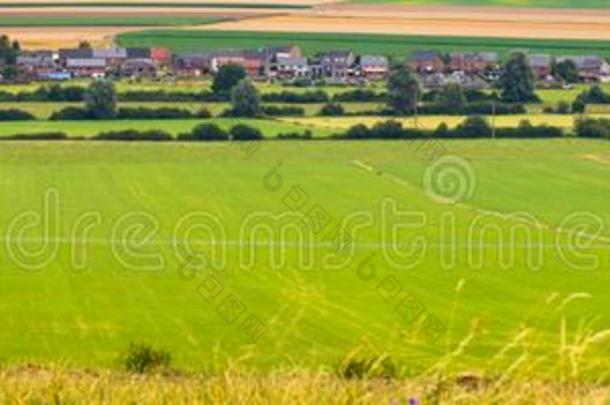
point(133, 135)
point(578, 107)
point(387, 130)
point(71, 114)
point(332, 110)
point(296, 135)
point(592, 128)
point(203, 113)
point(205, 132)
point(563, 108)
point(38, 136)
point(473, 127)
point(283, 111)
point(163, 113)
point(13, 114)
point(365, 368)
point(358, 131)
point(317, 96)
point(442, 131)
point(143, 358)
point(241, 132)
point(594, 95)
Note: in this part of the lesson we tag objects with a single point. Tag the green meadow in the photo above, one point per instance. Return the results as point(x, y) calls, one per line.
point(395, 45)
point(116, 264)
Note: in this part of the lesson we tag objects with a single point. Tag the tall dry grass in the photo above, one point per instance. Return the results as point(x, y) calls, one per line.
point(35, 385)
point(573, 373)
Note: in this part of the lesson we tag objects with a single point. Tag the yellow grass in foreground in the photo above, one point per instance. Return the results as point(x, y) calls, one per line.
point(25, 385)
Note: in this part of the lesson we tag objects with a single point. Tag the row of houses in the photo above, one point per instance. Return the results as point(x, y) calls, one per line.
point(470, 69)
point(88, 62)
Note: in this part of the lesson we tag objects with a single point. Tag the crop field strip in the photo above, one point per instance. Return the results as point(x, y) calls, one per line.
point(395, 45)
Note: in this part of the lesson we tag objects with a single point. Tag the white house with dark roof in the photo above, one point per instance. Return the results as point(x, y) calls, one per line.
point(373, 67)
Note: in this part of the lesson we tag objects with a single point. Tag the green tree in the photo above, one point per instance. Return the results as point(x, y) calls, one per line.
point(566, 71)
point(578, 106)
point(403, 90)
point(517, 80)
point(451, 98)
point(245, 99)
point(8, 54)
point(101, 100)
point(227, 77)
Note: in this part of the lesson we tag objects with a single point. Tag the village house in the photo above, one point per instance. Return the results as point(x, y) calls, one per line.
point(192, 65)
point(373, 67)
point(334, 65)
point(541, 66)
point(35, 65)
point(291, 67)
point(438, 81)
point(89, 67)
point(138, 68)
point(474, 63)
point(289, 51)
point(255, 62)
point(426, 62)
point(162, 57)
point(137, 53)
point(77, 53)
point(590, 68)
point(113, 56)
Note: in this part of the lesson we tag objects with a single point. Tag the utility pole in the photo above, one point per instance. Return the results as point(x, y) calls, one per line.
point(493, 119)
point(415, 121)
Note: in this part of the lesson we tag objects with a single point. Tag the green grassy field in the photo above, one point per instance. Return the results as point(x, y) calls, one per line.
point(96, 293)
point(499, 3)
point(396, 45)
point(103, 21)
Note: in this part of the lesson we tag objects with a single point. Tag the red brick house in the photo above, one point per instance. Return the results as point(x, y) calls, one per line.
point(426, 62)
point(161, 56)
point(473, 63)
point(541, 65)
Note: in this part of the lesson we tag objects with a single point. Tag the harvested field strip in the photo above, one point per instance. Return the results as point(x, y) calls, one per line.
point(110, 21)
point(154, 5)
point(398, 45)
point(432, 25)
point(503, 3)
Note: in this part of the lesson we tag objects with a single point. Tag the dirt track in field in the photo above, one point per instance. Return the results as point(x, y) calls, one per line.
point(445, 21)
